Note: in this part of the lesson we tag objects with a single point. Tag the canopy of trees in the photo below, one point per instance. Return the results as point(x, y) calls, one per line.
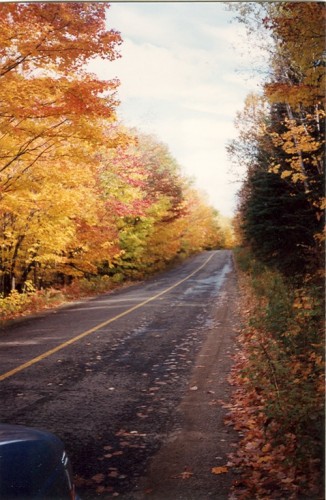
point(81, 195)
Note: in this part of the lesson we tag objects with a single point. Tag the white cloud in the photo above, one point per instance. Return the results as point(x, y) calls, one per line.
point(182, 80)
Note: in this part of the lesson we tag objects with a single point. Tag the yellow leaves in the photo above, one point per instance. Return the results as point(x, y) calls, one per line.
point(295, 176)
point(296, 139)
point(46, 113)
point(286, 173)
point(276, 139)
point(274, 169)
point(61, 34)
point(303, 149)
point(298, 177)
point(322, 204)
point(290, 93)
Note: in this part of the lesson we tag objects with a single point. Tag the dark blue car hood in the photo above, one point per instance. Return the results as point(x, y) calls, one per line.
point(29, 458)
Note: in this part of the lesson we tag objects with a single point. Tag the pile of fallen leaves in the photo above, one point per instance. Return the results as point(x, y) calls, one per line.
point(278, 399)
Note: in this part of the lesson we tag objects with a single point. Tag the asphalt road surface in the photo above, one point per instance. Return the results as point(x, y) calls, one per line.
point(132, 382)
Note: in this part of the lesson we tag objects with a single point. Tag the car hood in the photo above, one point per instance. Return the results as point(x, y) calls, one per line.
point(28, 458)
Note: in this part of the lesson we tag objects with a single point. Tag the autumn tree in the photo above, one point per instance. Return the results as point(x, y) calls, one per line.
point(46, 95)
point(279, 224)
point(280, 220)
point(158, 215)
point(287, 139)
point(298, 86)
point(150, 199)
point(80, 194)
point(51, 121)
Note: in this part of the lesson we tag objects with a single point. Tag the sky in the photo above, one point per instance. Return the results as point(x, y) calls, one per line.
point(185, 71)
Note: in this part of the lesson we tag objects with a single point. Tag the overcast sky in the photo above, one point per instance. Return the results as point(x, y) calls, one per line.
point(183, 78)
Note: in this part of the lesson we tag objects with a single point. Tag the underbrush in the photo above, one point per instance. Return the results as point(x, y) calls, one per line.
point(30, 300)
point(93, 286)
point(278, 404)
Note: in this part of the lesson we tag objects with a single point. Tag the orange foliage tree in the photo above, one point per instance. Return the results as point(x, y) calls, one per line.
point(51, 121)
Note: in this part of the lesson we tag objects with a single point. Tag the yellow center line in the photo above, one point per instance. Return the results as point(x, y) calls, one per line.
point(46, 354)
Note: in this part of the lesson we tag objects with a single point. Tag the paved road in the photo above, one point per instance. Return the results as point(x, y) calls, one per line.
point(131, 382)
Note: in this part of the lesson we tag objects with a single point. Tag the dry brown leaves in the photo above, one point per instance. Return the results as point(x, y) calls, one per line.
point(261, 462)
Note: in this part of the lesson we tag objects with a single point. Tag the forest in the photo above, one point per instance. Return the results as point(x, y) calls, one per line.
point(86, 202)
point(278, 402)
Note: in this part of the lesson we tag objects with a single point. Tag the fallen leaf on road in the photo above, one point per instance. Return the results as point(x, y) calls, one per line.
point(80, 481)
point(98, 478)
point(185, 475)
point(287, 480)
point(219, 470)
point(104, 489)
point(113, 473)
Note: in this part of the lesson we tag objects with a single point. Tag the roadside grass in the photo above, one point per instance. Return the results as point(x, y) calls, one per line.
point(278, 379)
